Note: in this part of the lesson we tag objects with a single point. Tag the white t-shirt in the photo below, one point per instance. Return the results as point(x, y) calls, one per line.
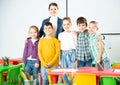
point(67, 40)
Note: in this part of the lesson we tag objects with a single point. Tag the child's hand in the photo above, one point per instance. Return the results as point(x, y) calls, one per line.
point(75, 64)
point(48, 65)
point(23, 64)
point(36, 65)
point(98, 61)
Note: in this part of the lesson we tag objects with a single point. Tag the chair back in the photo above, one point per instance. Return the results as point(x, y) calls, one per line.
point(13, 75)
point(108, 80)
point(84, 79)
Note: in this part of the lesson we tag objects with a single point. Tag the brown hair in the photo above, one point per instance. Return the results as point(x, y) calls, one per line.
point(81, 20)
point(52, 4)
point(48, 23)
point(66, 18)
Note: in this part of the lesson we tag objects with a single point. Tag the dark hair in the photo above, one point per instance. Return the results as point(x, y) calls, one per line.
point(48, 23)
point(66, 18)
point(81, 20)
point(52, 4)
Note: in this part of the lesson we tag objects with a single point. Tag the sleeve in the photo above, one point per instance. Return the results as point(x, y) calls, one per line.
point(56, 57)
point(25, 53)
point(41, 32)
point(40, 53)
point(38, 59)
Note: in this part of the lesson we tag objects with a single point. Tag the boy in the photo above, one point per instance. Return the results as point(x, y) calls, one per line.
point(83, 54)
point(48, 52)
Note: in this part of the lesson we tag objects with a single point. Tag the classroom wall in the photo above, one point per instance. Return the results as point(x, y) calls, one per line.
point(16, 16)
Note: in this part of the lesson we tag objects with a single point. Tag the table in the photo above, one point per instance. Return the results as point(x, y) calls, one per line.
point(106, 72)
point(12, 61)
point(3, 69)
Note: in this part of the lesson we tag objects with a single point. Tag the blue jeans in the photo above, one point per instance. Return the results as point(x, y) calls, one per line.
point(67, 58)
point(106, 63)
point(45, 75)
point(29, 67)
point(84, 63)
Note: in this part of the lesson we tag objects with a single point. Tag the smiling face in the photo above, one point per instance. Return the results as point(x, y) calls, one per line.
point(92, 28)
point(66, 25)
point(53, 10)
point(33, 33)
point(82, 26)
point(48, 30)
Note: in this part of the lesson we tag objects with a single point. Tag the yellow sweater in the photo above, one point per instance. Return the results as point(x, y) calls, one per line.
point(48, 51)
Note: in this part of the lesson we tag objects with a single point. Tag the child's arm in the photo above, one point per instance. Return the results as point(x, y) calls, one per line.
point(40, 51)
point(25, 53)
point(100, 47)
point(57, 47)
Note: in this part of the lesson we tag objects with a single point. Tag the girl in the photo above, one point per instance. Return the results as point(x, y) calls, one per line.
point(97, 46)
point(30, 54)
point(68, 45)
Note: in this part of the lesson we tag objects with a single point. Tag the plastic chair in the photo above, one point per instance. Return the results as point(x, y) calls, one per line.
point(84, 79)
point(13, 75)
point(108, 80)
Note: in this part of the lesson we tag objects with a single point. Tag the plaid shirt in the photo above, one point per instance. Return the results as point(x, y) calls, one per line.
point(83, 52)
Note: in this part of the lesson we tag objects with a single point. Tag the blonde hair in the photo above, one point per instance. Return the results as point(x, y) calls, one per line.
point(66, 18)
point(33, 27)
point(94, 22)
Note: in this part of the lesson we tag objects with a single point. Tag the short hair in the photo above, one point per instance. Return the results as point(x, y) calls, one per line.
point(53, 4)
point(48, 24)
point(94, 22)
point(81, 20)
point(66, 18)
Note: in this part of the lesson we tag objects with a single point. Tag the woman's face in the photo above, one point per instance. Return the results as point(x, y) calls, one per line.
point(53, 10)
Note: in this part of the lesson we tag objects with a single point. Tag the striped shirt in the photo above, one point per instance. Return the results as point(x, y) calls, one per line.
point(93, 43)
point(83, 52)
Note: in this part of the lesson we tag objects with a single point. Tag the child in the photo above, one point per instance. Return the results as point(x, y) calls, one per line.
point(30, 55)
point(48, 51)
point(68, 44)
point(54, 19)
point(97, 47)
point(83, 56)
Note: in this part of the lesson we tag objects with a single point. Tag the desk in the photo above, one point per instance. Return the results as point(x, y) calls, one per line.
point(92, 70)
point(3, 69)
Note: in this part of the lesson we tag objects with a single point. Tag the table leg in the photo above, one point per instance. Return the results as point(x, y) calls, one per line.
point(54, 79)
point(0, 78)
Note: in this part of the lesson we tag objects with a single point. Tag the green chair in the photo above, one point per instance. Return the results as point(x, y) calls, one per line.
point(108, 80)
point(13, 75)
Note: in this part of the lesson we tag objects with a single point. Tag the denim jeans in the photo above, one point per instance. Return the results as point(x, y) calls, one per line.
point(106, 63)
point(84, 63)
point(67, 58)
point(29, 67)
point(45, 75)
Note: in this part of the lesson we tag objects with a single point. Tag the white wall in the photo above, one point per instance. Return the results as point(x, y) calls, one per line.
point(17, 15)
point(106, 12)
point(15, 18)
